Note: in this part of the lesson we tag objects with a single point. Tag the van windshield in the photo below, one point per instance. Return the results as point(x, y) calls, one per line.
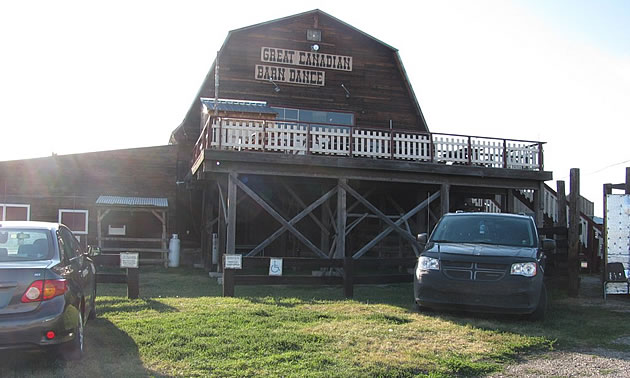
point(24, 245)
point(486, 229)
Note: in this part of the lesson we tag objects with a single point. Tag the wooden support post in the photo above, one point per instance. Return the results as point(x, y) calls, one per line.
point(209, 227)
point(574, 233)
point(348, 275)
point(342, 215)
point(538, 204)
point(133, 283)
point(607, 190)
point(509, 199)
point(228, 281)
point(222, 227)
point(562, 204)
point(444, 198)
point(164, 239)
point(230, 246)
point(421, 217)
point(325, 220)
point(99, 232)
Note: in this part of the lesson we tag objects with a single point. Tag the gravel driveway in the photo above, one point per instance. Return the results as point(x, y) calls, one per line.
point(598, 362)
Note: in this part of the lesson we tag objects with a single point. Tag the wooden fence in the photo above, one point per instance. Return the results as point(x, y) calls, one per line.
point(129, 276)
point(347, 272)
point(304, 138)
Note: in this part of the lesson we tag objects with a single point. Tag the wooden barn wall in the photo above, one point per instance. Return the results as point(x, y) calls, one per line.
point(76, 181)
point(377, 86)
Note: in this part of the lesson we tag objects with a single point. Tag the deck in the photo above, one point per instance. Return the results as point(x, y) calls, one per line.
point(302, 138)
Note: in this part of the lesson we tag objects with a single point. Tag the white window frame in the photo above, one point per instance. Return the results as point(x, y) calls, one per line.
point(4, 209)
point(87, 215)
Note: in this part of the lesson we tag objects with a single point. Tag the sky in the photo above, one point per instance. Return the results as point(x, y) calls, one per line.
point(79, 76)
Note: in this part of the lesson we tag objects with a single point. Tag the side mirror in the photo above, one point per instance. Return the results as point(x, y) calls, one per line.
point(93, 251)
point(548, 245)
point(422, 238)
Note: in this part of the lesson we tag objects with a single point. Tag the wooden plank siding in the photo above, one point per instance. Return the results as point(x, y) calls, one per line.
point(76, 181)
point(379, 91)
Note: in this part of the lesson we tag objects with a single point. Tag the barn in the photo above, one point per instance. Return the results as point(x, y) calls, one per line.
point(305, 141)
point(308, 141)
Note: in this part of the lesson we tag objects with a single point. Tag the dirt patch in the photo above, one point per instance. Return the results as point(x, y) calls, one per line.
point(597, 362)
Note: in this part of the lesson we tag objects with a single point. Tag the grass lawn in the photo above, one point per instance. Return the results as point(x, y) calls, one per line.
point(182, 326)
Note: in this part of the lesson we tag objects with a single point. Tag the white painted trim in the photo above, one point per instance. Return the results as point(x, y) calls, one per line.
point(4, 209)
point(87, 215)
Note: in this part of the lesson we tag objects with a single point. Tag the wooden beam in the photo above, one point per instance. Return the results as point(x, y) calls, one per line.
point(607, 190)
point(148, 240)
point(222, 202)
point(133, 283)
point(539, 204)
point(164, 239)
point(102, 214)
point(342, 216)
point(302, 204)
point(158, 216)
point(294, 220)
point(574, 232)
point(509, 199)
point(376, 211)
point(562, 204)
point(444, 198)
point(222, 226)
point(99, 231)
point(387, 231)
point(230, 248)
point(279, 218)
point(407, 222)
point(324, 243)
point(377, 170)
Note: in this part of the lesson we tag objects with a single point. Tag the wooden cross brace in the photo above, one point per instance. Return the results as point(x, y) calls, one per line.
point(393, 226)
point(286, 225)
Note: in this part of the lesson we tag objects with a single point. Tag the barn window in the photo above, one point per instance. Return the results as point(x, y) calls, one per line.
point(75, 220)
point(15, 212)
point(314, 116)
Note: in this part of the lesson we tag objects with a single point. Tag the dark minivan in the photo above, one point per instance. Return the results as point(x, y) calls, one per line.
point(483, 262)
point(47, 287)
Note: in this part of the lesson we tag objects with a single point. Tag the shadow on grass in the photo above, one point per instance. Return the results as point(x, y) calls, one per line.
point(119, 305)
point(108, 352)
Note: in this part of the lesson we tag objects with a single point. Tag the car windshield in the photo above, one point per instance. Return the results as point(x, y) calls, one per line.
point(485, 229)
point(24, 245)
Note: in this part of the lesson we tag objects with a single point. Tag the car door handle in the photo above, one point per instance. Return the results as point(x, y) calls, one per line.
point(7, 285)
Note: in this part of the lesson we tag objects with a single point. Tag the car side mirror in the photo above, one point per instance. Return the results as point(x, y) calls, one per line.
point(93, 251)
point(422, 238)
point(548, 245)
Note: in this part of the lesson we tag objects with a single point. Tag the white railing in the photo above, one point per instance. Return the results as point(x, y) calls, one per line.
point(302, 138)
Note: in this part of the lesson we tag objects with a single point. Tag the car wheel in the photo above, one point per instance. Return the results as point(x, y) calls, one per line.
point(92, 314)
point(74, 349)
point(541, 309)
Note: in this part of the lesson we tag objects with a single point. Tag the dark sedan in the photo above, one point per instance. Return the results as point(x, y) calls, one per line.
point(483, 262)
point(47, 288)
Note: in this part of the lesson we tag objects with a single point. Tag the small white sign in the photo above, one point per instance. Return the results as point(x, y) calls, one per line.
point(233, 261)
point(128, 260)
point(275, 267)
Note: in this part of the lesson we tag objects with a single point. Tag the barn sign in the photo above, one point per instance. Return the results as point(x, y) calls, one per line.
point(290, 75)
point(305, 76)
point(306, 59)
